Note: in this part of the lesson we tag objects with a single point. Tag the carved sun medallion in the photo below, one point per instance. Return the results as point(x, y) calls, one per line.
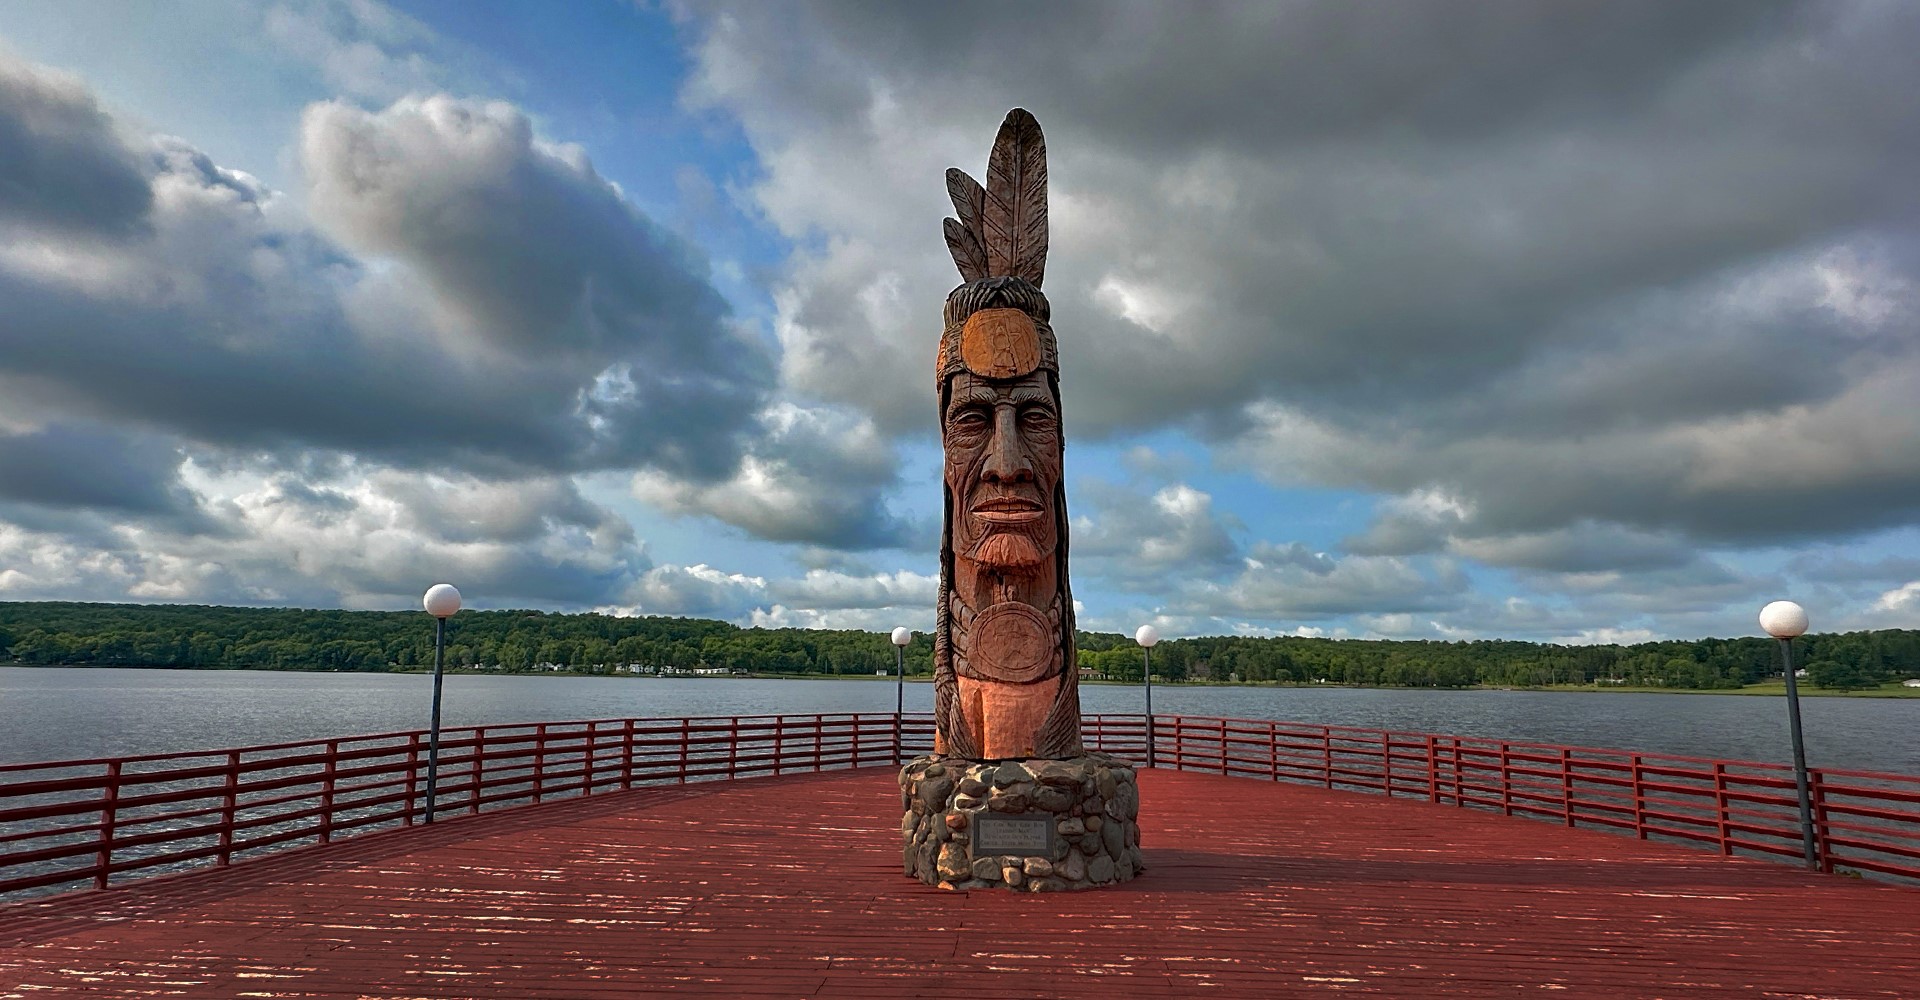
point(1013, 642)
point(1000, 343)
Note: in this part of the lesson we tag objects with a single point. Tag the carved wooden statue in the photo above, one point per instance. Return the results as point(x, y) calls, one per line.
point(1006, 684)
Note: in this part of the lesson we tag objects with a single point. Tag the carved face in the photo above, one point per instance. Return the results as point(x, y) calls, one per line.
point(1004, 461)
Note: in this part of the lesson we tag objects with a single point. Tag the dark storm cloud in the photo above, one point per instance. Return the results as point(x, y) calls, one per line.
point(1641, 265)
point(67, 466)
point(515, 314)
point(1263, 76)
point(61, 164)
point(1831, 567)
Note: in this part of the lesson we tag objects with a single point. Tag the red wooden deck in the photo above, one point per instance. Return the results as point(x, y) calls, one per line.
point(1254, 890)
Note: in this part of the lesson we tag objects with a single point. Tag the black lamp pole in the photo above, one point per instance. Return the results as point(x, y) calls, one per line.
point(442, 601)
point(1146, 659)
point(433, 733)
point(1807, 845)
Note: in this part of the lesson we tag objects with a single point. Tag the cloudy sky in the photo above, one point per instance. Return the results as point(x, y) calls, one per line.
point(1588, 322)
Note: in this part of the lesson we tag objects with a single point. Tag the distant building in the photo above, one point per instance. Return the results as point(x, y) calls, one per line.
point(1912, 682)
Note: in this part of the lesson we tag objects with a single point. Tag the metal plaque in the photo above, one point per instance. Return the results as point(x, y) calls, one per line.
point(999, 833)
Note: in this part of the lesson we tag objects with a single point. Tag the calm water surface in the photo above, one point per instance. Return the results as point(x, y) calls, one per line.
point(67, 713)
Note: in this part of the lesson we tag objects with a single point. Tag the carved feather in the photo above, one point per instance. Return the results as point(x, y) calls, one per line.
point(969, 198)
point(968, 255)
point(963, 234)
point(1014, 223)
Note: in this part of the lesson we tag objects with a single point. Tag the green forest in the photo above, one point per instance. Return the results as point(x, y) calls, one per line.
point(192, 636)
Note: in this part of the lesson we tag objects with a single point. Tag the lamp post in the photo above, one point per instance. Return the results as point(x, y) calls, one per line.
point(1146, 636)
point(1783, 620)
point(441, 602)
point(901, 636)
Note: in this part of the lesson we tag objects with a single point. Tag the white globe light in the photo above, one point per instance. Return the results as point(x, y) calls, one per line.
point(1146, 635)
point(442, 600)
point(902, 636)
point(1783, 619)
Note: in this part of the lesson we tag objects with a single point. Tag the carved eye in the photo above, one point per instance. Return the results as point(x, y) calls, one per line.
point(972, 420)
point(1038, 418)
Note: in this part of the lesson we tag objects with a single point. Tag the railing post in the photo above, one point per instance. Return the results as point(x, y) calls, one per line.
point(733, 745)
point(1506, 781)
point(819, 723)
point(1639, 802)
point(1566, 786)
point(1720, 806)
point(413, 768)
point(539, 761)
point(109, 818)
point(1223, 746)
point(626, 756)
point(856, 742)
point(1459, 773)
point(1386, 763)
point(1820, 820)
point(1273, 751)
point(1433, 773)
point(229, 803)
point(326, 792)
point(779, 742)
point(478, 767)
point(586, 772)
point(686, 734)
point(1326, 755)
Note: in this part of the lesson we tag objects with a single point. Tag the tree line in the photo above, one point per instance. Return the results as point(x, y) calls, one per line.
point(196, 636)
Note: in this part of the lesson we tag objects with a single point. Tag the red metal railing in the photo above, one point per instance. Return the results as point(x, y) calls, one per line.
point(1863, 820)
point(69, 824)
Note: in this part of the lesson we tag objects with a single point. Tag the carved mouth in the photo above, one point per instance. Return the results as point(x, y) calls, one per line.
point(1008, 510)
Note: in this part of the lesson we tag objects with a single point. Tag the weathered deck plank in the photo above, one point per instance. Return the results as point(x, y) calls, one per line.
point(1253, 890)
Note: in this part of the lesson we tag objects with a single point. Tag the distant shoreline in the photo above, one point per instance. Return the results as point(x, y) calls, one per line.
point(1773, 689)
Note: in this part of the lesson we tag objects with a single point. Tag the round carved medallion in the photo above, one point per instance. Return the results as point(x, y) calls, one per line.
point(1000, 343)
point(1012, 642)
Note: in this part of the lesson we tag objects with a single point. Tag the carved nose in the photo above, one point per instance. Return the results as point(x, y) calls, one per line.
point(1006, 459)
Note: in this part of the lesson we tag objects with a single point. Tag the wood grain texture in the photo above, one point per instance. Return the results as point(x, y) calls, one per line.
point(1014, 223)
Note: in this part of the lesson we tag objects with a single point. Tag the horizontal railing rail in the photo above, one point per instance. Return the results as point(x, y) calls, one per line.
point(79, 823)
point(1864, 821)
point(73, 824)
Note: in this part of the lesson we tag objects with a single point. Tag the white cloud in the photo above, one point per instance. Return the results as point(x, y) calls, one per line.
point(362, 47)
point(1903, 599)
point(813, 475)
point(1144, 541)
point(1283, 582)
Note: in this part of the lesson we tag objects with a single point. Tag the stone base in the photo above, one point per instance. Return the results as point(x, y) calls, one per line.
point(1091, 804)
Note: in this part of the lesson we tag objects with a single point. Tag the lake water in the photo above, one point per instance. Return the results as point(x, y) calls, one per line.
point(69, 713)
